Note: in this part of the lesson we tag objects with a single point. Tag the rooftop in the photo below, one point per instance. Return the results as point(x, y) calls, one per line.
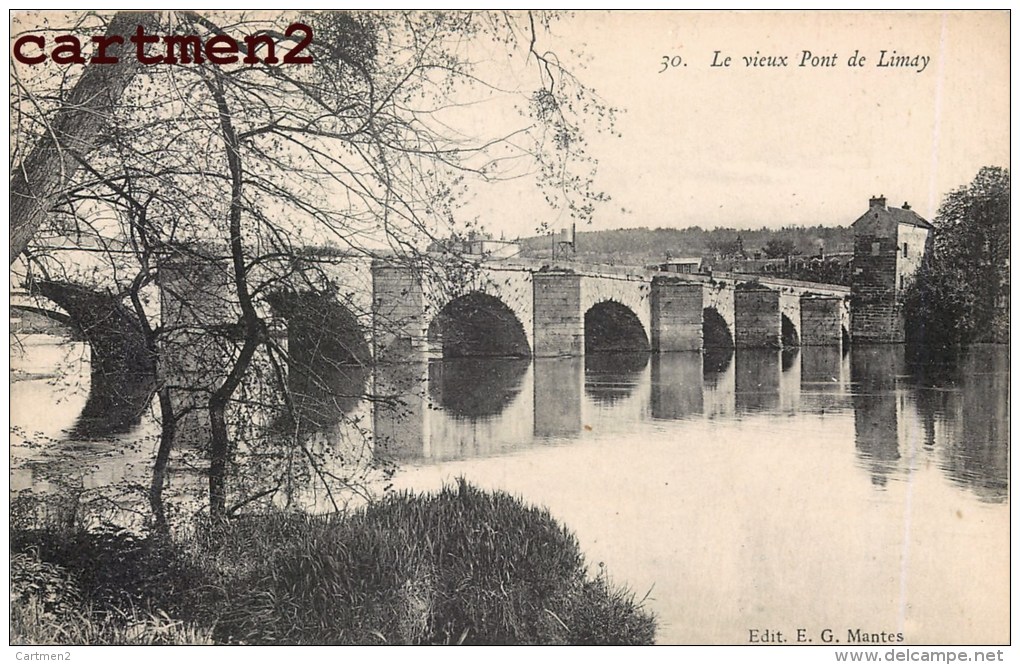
point(877, 209)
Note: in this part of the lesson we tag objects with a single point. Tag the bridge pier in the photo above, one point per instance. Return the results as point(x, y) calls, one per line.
point(559, 321)
point(757, 318)
point(198, 311)
point(821, 320)
point(677, 315)
point(397, 312)
point(678, 386)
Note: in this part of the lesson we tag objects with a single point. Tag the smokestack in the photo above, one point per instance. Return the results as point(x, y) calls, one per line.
point(877, 201)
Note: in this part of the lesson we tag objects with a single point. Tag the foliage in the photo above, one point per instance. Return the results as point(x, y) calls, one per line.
point(728, 247)
point(459, 566)
point(46, 585)
point(604, 614)
point(112, 568)
point(940, 307)
point(71, 584)
point(960, 294)
point(46, 610)
point(779, 248)
point(825, 271)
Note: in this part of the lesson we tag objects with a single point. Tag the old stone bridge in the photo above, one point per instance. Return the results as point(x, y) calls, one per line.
point(534, 309)
point(391, 311)
point(335, 311)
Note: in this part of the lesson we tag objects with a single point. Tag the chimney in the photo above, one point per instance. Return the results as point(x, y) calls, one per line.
point(877, 202)
point(906, 206)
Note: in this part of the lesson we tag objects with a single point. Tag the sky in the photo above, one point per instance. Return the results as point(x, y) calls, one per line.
point(770, 146)
point(748, 147)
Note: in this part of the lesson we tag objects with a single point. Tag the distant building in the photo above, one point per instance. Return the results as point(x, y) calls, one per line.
point(889, 245)
point(834, 268)
point(681, 266)
point(480, 247)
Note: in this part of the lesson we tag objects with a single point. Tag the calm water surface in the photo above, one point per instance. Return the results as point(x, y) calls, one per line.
point(761, 490)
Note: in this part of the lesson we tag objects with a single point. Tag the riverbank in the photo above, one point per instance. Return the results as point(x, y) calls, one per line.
point(460, 565)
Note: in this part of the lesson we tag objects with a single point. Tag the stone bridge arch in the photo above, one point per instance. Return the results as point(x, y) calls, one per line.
point(477, 324)
point(414, 309)
point(790, 323)
point(634, 294)
point(716, 332)
point(328, 351)
point(609, 325)
point(789, 335)
point(616, 313)
point(35, 313)
point(719, 298)
point(122, 366)
point(479, 312)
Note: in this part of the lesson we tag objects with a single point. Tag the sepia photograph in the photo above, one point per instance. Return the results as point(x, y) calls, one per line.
point(510, 327)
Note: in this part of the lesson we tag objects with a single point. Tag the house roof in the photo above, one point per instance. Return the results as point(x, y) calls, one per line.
point(897, 215)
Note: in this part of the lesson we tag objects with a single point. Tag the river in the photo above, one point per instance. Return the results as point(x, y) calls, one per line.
point(763, 490)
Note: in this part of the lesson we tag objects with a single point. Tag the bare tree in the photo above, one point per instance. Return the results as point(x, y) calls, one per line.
point(230, 171)
point(72, 133)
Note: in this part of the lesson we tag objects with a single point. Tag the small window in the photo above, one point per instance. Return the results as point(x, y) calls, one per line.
point(904, 249)
point(875, 247)
point(903, 280)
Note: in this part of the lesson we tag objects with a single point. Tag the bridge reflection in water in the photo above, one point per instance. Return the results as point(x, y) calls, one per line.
point(956, 418)
point(462, 408)
point(752, 476)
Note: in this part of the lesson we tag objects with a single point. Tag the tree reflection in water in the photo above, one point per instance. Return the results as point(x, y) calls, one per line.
point(329, 355)
point(961, 405)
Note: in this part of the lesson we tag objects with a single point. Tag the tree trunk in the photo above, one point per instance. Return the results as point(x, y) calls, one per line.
point(219, 453)
point(220, 443)
point(167, 432)
point(41, 177)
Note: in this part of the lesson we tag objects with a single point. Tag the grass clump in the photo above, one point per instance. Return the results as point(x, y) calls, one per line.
point(115, 568)
point(459, 566)
point(48, 607)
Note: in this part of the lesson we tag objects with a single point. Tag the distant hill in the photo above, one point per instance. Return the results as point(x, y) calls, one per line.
point(640, 246)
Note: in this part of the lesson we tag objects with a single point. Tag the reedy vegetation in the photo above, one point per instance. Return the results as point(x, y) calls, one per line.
point(459, 566)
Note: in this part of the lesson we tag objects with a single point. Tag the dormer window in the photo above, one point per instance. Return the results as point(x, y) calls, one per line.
point(876, 248)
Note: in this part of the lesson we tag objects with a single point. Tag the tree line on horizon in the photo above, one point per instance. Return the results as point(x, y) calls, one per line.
point(643, 245)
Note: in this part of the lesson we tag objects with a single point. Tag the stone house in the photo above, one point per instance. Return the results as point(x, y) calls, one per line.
point(889, 245)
